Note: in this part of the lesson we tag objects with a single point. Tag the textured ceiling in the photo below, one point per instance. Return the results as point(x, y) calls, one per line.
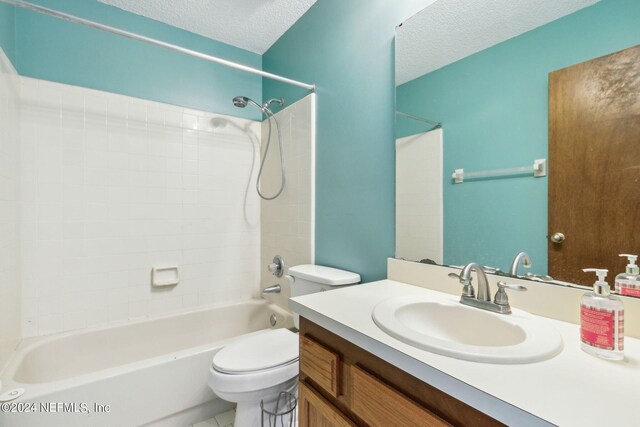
point(253, 25)
point(449, 30)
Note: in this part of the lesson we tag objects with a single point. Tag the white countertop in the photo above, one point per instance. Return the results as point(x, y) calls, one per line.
point(571, 389)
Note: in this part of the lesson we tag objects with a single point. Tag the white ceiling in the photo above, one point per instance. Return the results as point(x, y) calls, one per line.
point(254, 25)
point(449, 30)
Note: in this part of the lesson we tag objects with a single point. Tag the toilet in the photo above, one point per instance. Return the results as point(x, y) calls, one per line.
point(258, 367)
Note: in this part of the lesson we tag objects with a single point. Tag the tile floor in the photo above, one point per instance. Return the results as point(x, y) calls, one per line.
point(223, 420)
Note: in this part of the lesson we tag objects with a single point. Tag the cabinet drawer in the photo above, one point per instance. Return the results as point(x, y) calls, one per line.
point(315, 411)
point(321, 365)
point(379, 404)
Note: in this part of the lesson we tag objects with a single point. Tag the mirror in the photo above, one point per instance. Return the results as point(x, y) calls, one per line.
point(472, 93)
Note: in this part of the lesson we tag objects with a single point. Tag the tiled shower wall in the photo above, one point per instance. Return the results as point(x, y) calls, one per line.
point(9, 209)
point(287, 221)
point(113, 186)
point(419, 204)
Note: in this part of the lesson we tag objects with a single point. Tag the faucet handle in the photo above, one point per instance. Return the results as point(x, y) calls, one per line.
point(491, 270)
point(501, 297)
point(503, 285)
point(467, 289)
point(539, 277)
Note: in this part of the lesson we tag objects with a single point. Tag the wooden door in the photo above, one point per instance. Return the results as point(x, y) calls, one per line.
point(594, 165)
point(315, 411)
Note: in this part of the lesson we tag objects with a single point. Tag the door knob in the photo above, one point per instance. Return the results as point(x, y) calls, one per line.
point(557, 238)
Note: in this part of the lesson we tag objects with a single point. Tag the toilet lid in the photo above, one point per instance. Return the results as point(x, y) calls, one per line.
point(269, 349)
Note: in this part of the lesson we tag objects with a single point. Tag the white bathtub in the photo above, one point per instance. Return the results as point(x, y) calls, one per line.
point(148, 372)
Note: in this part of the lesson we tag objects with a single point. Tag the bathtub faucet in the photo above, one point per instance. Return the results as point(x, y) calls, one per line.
point(275, 289)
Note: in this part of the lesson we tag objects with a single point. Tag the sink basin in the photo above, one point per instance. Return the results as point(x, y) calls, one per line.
point(449, 328)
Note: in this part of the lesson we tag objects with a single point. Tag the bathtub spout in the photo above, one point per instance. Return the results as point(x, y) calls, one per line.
point(275, 289)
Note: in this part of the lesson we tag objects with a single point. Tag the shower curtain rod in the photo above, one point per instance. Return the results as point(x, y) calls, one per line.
point(420, 119)
point(134, 36)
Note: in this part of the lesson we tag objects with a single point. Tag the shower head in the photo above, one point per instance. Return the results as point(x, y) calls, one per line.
point(240, 101)
point(243, 101)
point(279, 101)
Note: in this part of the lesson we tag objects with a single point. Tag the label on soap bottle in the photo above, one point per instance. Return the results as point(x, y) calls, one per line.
point(628, 287)
point(597, 327)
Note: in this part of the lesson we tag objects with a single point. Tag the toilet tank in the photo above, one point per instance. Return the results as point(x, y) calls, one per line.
point(309, 279)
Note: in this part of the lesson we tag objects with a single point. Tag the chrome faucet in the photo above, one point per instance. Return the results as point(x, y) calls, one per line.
point(523, 258)
point(500, 303)
point(465, 278)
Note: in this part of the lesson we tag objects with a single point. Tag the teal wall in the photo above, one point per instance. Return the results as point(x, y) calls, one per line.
point(345, 47)
point(52, 49)
point(494, 109)
point(7, 31)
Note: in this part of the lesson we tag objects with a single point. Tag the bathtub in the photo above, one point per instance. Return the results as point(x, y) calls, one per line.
point(149, 372)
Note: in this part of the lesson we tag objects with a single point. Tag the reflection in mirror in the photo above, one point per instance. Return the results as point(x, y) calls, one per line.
point(488, 82)
point(419, 212)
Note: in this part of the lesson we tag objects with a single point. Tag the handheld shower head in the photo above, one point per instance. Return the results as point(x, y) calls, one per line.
point(243, 101)
point(240, 101)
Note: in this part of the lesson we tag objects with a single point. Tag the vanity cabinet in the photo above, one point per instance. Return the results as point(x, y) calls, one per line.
point(343, 385)
point(316, 411)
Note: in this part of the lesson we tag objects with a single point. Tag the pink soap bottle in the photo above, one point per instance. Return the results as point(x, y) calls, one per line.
point(602, 320)
point(628, 283)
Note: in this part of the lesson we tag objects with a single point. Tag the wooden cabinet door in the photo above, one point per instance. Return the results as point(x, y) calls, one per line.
point(321, 365)
point(594, 165)
point(315, 411)
point(380, 405)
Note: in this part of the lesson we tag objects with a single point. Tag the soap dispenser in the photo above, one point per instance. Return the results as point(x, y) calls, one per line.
point(602, 320)
point(628, 283)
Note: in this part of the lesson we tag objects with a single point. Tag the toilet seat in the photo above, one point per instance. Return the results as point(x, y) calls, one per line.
point(256, 362)
point(265, 351)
